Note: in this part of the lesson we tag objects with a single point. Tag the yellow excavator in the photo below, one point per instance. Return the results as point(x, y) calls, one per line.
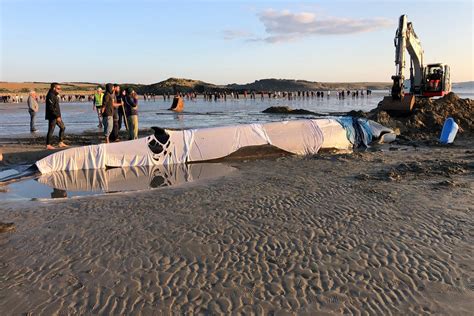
point(425, 80)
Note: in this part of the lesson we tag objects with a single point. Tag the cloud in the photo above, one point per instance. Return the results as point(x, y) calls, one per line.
point(284, 26)
point(235, 34)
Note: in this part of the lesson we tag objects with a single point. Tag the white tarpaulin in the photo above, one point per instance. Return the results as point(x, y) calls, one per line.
point(300, 137)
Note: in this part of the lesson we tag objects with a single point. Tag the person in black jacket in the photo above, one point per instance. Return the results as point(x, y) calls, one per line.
point(53, 115)
point(108, 109)
point(131, 110)
point(114, 136)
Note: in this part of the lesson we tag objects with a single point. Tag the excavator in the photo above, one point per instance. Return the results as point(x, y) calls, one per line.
point(425, 80)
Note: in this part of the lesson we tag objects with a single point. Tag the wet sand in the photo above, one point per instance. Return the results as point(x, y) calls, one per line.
point(383, 232)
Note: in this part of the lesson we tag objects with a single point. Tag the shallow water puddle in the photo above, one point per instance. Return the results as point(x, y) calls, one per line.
point(93, 182)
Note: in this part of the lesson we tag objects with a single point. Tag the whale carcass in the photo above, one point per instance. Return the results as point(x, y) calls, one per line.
point(164, 147)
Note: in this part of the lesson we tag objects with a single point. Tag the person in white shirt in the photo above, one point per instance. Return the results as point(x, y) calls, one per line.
point(33, 108)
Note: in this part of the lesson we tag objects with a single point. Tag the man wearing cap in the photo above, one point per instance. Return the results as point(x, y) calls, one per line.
point(97, 104)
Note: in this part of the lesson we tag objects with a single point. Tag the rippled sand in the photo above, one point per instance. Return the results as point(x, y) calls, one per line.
point(372, 233)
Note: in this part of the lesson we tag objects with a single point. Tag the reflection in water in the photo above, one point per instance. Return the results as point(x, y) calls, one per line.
point(130, 179)
point(58, 194)
point(179, 117)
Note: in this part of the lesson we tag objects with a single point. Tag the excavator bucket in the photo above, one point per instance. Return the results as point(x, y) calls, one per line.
point(403, 106)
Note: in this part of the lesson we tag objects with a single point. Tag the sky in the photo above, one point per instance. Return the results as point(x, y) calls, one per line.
point(222, 42)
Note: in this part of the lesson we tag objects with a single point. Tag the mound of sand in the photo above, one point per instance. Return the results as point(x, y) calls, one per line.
point(428, 116)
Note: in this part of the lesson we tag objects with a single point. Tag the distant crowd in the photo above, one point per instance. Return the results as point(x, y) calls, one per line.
point(290, 95)
point(19, 98)
point(207, 96)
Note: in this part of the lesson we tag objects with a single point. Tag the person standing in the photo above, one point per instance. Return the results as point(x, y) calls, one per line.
point(121, 115)
point(53, 115)
point(114, 137)
point(97, 104)
point(131, 110)
point(32, 109)
point(107, 111)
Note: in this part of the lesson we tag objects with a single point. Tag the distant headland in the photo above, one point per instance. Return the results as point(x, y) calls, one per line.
point(183, 85)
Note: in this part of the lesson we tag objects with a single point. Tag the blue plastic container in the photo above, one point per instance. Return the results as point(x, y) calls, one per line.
point(450, 129)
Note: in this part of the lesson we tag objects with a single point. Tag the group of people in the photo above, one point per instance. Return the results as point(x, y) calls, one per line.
point(152, 97)
point(290, 95)
point(11, 98)
point(112, 107)
point(115, 107)
point(18, 98)
point(355, 94)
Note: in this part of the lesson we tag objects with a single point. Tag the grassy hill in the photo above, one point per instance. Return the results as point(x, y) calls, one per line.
point(177, 84)
point(43, 87)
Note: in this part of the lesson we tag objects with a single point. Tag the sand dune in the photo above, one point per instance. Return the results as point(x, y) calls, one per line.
point(376, 233)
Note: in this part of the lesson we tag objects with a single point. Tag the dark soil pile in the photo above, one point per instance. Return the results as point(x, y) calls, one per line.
point(428, 116)
point(286, 110)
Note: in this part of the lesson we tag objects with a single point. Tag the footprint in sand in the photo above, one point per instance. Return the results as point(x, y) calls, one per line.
point(7, 227)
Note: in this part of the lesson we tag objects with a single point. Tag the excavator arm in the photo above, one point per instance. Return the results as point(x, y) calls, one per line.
point(406, 40)
point(400, 46)
point(416, 55)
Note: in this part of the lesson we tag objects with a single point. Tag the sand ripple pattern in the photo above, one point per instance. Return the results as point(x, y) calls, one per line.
point(290, 235)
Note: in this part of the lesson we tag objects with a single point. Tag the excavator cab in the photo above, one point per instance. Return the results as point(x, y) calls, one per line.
point(436, 80)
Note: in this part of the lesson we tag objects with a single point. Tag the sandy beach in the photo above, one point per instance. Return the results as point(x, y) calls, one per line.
point(387, 231)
